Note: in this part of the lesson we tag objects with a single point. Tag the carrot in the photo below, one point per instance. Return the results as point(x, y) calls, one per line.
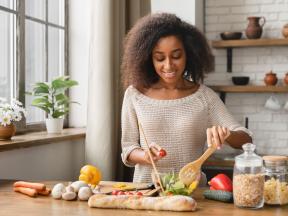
point(27, 191)
point(45, 192)
point(32, 185)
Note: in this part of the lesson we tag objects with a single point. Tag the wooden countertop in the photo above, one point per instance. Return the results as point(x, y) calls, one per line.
point(15, 204)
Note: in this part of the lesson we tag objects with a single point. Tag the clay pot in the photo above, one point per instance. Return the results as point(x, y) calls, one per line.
point(270, 78)
point(286, 79)
point(6, 132)
point(254, 29)
point(285, 31)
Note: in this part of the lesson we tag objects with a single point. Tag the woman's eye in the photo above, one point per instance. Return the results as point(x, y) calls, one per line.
point(176, 56)
point(159, 58)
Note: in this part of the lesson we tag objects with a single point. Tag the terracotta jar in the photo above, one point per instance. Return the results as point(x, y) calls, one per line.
point(270, 78)
point(285, 31)
point(6, 132)
point(286, 79)
point(254, 28)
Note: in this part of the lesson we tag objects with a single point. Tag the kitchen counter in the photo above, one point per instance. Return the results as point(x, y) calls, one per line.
point(14, 204)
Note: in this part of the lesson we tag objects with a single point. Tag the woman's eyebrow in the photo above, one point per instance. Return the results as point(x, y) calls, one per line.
point(159, 52)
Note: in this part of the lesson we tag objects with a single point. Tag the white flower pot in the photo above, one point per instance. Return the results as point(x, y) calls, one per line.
point(54, 125)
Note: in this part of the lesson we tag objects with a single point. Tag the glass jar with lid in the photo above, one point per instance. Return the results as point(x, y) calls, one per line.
point(276, 180)
point(248, 179)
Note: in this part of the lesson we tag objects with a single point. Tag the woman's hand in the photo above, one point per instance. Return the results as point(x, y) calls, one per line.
point(140, 156)
point(157, 152)
point(217, 135)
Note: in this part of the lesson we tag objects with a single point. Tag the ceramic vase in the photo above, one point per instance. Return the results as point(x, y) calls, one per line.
point(254, 28)
point(270, 78)
point(6, 132)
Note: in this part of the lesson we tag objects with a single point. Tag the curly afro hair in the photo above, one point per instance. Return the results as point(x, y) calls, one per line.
point(137, 66)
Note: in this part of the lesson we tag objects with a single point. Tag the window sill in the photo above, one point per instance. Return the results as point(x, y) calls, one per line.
point(41, 138)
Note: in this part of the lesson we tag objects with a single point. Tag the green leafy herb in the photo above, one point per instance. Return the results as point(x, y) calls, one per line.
point(51, 97)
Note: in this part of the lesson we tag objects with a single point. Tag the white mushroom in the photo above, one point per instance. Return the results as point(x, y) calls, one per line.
point(77, 185)
point(57, 191)
point(69, 196)
point(84, 193)
point(69, 189)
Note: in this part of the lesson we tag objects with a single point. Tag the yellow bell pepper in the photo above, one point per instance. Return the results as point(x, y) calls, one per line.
point(90, 175)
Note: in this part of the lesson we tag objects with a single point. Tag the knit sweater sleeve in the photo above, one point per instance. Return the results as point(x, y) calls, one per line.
point(129, 125)
point(219, 115)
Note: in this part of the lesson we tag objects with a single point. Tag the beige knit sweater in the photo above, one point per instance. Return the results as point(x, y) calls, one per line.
point(178, 125)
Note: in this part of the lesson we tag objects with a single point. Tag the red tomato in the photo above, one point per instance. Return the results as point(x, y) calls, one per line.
point(139, 193)
point(114, 192)
point(128, 193)
point(121, 193)
point(162, 153)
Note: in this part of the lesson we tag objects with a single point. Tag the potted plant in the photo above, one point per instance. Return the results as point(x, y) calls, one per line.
point(10, 113)
point(51, 98)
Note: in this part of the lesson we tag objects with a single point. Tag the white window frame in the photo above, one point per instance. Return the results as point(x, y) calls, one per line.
point(17, 84)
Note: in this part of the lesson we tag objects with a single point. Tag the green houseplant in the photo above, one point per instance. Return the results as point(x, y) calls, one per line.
point(51, 98)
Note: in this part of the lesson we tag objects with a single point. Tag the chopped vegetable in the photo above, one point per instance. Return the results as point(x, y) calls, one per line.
point(173, 185)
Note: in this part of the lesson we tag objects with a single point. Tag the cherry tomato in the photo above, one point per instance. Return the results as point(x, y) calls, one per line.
point(162, 153)
point(139, 193)
point(121, 193)
point(114, 192)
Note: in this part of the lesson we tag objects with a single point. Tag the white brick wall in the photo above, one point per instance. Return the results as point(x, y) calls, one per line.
point(270, 128)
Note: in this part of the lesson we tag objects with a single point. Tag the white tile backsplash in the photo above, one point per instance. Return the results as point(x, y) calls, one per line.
point(270, 128)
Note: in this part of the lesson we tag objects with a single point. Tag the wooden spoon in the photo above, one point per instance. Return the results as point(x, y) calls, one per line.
point(190, 171)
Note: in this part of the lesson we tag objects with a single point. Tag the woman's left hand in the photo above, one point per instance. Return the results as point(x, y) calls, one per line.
point(217, 135)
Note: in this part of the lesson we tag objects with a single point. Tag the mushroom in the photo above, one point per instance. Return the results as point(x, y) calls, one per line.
point(84, 193)
point(57, 191)
point(69, 196)
point(77, 185)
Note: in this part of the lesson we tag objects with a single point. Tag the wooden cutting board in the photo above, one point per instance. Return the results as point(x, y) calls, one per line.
point(145, 188)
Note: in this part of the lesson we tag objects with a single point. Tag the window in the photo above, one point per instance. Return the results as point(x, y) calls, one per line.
point(33, 48)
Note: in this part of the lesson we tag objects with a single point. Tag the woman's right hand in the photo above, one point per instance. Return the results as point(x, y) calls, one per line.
point(140, 156)
point(157, 153)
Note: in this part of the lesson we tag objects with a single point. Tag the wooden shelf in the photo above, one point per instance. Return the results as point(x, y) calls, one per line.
point(249, 43)
point(223, 89)
point(250, 89)
point(230, 44)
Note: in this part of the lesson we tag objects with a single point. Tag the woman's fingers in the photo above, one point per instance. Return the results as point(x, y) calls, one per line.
point(209, 137)
point(217, 135)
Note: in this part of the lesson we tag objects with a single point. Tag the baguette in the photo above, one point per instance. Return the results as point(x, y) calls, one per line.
point(165, 203)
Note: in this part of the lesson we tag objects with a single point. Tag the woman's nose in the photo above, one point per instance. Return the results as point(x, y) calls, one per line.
point(167, 64)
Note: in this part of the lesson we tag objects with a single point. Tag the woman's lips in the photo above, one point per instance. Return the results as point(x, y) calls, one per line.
point(169, 74)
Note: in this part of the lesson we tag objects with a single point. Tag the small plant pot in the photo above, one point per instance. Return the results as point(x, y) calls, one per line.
point(54, 125)
point(6, 132)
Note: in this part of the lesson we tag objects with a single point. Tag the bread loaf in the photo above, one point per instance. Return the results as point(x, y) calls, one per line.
point(168, 203)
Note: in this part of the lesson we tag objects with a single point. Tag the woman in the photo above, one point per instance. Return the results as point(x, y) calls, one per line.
point(163, 66)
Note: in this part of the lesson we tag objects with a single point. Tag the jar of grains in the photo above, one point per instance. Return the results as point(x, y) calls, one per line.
point(248, 179)
point(276, 180)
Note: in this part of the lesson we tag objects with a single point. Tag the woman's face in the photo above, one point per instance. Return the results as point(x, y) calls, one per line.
point(169, 59)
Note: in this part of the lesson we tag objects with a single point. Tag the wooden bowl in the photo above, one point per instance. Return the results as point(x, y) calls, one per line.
point(231, 35)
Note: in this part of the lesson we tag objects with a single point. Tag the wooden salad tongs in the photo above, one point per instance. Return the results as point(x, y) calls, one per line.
point(151, 158)
point(190, 171)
